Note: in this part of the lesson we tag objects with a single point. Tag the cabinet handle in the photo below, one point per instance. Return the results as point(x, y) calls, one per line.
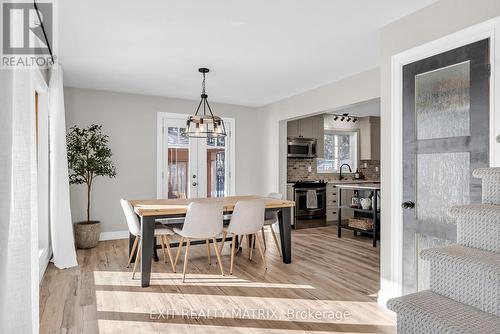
point(334, 201)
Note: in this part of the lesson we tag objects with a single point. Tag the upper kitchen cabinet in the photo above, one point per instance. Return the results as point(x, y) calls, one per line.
point(311, 127)
point(369, 131)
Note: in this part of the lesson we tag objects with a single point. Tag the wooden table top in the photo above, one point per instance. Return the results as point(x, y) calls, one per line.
point(159, 207)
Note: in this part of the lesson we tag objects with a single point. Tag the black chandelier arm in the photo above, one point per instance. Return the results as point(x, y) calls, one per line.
point(198, 109)
point(210, 110)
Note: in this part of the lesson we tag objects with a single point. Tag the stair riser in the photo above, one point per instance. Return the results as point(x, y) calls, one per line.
point(464, 285)
point(482, 234)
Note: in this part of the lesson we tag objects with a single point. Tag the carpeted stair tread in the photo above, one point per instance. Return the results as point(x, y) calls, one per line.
point(428, 312)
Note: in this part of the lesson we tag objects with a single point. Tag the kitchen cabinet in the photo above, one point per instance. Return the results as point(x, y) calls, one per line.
point(310, 127)
point(369, 132)
point(332, 204)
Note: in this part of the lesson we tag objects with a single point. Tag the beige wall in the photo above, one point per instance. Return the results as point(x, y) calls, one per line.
point(130, 121)
point(438, 20)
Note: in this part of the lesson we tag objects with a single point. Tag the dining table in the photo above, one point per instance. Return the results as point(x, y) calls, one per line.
point(151, 211)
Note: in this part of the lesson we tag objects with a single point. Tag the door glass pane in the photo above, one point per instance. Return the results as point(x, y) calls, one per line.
point(442, 182)
point(442, 102)
point(216, 172)
point(173, 136)
point(177, 163)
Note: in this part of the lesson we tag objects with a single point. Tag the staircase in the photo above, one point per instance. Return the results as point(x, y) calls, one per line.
point(464, 295)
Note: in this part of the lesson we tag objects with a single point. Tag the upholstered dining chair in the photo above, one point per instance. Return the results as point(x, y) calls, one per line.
point(247, 220)
point(203, 222)
point(271, 218)
point(134, 227)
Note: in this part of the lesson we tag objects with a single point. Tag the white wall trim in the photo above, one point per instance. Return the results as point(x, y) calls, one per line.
point(487, 29)
point(113, 235)
point(159, 149)
point(44, 256)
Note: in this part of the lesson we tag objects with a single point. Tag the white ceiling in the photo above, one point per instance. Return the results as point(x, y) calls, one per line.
point(259, 51)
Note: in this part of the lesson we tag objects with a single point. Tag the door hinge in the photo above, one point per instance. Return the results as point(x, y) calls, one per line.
point(488, 70)
point(162, 130)
point(162, 175)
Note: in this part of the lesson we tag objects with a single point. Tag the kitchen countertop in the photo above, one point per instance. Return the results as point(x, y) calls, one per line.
point(344, 182)
point(360, 185)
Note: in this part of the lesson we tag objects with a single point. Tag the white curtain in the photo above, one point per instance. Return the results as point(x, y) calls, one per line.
point(18, 205)
point(61, 227)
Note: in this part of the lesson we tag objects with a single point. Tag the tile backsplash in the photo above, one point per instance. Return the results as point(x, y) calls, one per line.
point(297, 169)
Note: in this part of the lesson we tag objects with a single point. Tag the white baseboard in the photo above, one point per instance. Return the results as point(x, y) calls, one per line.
point(43, 261)
point(113, 235)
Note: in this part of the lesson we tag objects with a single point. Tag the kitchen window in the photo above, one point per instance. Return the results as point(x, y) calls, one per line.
point(341, 147)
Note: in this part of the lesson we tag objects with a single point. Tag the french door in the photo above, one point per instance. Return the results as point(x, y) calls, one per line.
point(445, 137)
point(194, 167)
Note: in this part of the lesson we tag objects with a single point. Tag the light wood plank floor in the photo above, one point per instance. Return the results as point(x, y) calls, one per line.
point(330, 287)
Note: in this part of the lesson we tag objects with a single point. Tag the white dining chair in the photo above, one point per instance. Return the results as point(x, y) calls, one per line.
point(134, 227)
point(247, 220)
point(271, 218)
point(203, 222)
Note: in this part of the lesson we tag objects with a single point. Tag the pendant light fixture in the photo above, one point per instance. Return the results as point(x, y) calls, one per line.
point(204, 125)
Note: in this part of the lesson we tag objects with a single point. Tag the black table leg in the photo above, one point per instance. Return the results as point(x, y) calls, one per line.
point(284, 216)
point(147, 236)
point(131, 240)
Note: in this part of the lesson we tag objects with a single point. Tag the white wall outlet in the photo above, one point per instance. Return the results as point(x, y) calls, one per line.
point(309, 168)
point(365, 165)
point(376, 169)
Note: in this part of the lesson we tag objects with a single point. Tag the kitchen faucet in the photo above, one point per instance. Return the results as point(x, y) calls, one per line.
point(340, 170)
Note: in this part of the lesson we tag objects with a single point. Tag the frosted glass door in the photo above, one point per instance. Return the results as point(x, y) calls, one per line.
point(445, 137)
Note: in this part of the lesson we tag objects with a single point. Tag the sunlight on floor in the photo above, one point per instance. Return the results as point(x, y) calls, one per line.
point(186, 304)
point(114, 326)
point(125, 279)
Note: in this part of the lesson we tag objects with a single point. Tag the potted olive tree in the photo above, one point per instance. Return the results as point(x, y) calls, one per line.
point(88, 157)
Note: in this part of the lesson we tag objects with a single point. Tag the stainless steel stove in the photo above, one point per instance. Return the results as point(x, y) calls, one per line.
point(302, 210)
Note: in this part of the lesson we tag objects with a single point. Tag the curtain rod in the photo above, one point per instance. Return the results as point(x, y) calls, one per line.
point(43, 30)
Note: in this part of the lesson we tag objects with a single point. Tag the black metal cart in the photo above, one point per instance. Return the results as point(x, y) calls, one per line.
point(373, 213)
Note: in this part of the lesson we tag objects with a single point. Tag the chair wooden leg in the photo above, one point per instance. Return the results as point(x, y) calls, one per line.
point(218, 256)
point(224, 235)
point(132, 252)
point(137, 259)
point(276, 240)
point(233, 250)
point(186, 257)
point(264, 237)
point(260, 250)
point(169, 252)
point(252, 246)
point(178, 251)
point(162, 240)
point(208, 252)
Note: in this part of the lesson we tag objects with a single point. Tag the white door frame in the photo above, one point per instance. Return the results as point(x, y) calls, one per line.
point(488, 29)
point(44, 249)
point(159, 150)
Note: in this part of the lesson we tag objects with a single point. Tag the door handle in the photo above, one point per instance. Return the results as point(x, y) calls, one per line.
point(408, 205)
point(195, 184)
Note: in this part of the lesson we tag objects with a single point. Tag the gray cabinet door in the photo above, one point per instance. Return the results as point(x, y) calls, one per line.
point(293, 129)
point(307, 127)
point(445, 137)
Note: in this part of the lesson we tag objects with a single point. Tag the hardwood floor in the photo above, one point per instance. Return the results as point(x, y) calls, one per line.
point(330, 287)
